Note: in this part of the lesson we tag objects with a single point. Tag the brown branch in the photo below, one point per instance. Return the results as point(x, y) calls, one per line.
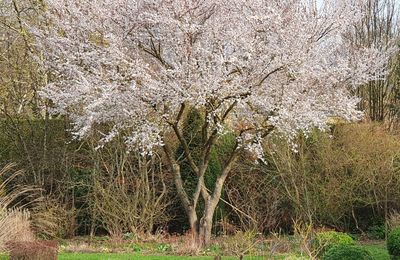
point(177, 178)
point(181, 139)
point(199, 187)
point(221, 179)
point(186, 149)
point(269, 74)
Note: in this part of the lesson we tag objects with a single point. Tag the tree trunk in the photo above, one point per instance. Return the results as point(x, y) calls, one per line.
point(201, 231)
point(204, 235)
point(192, 215)
point(206, 222)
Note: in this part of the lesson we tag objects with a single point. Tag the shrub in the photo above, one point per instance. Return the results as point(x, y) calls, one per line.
point(338, 176)
point(33, 250)
point(347, 252)
point(324, 241)
point(393, 242)
point(52, 219)
point(131, 198)
point(239, 244)
point(376, 232)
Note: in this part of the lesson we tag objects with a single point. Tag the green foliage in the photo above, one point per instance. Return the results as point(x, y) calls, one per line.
point(378, 251)
point(324, 241)
point(162, 248)
point(347, 252)
point(136, 248)
point(79, 185)
point(376, 232)
point(393, 242)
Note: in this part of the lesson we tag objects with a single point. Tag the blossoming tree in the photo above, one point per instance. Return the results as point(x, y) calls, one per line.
point(250, 67)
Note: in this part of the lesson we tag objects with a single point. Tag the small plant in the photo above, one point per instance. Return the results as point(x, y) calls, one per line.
point(393, 243)
point(136, 248)
point(213, 249)
point(347, 252)
point(324, 241)
point(164, 248)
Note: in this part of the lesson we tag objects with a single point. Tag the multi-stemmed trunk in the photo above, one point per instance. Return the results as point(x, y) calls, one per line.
point(206, 222)
point(200, 227)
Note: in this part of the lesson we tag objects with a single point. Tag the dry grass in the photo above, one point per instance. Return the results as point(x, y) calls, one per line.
point(84, 247)
point(14, 226)
point(15, 222)
point(10, 197)
point(33, 250)
point(184, 245)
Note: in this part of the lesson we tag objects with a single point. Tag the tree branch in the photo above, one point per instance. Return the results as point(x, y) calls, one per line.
point(221, 179)
point(177, 177)
point(269, 74)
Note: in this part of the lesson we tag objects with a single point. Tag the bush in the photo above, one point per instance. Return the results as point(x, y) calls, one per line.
point(33, 250)
point(324, 241)
point(338, 177)
point(376, 232)
point(239, 244)
point(393, 242)
point(347, 252)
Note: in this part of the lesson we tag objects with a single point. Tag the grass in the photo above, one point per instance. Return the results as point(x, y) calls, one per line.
point(110, 256)
point(121, 256)
point(377, 250)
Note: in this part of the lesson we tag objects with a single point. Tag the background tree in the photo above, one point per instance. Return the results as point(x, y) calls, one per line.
point(250, 68)
point(379, 27)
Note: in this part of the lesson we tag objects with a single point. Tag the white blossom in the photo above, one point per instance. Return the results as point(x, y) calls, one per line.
point(133, 63)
